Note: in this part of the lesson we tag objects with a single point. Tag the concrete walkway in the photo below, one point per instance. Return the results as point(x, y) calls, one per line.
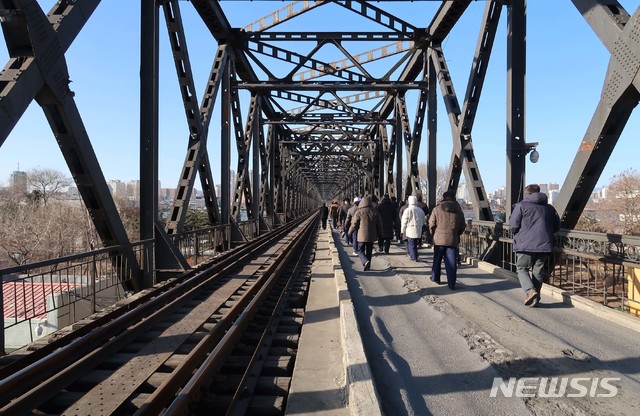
point(389, 340)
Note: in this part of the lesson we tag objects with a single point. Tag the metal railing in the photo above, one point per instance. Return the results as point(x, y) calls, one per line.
point(40, 298)
point(601, 267)
point(201, 245)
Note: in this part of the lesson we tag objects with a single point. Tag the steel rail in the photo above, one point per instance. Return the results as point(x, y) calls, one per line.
point(29, 381)
point(205, 372)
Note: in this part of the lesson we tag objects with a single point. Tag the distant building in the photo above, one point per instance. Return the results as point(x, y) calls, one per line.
point(117, 188)
point(133, 190)
point(463, 193)
point(167, 194)
point(18, 181)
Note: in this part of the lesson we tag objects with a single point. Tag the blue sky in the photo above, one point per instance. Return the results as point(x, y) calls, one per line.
point(566, 64)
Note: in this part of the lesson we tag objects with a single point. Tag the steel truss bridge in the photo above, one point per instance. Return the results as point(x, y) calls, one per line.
point(309, 114)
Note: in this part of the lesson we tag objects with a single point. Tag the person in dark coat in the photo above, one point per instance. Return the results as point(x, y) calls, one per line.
point(352, 237)
point(324, 215)
point(446, 224)
point(533, 223)
point(388, 215)
point(425, 236)
point(366, 221)
point(396, 207)
point(342, 217)
point(334, 211)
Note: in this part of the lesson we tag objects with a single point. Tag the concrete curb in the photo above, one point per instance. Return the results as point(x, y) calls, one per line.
point(362, 395)
point(569, 298)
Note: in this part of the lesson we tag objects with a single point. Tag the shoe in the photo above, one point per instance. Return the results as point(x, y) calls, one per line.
point(435, 281)
point(530, 297)
point(367, 265)
point(452, 287)
point(354, 254)
point(536, 301)
point(386, 252)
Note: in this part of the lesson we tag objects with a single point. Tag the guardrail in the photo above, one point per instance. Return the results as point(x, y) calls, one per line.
point(202, 244)
point(40, 298)
point(601, 267)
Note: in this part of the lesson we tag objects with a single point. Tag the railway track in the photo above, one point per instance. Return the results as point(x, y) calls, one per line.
point(219, 340)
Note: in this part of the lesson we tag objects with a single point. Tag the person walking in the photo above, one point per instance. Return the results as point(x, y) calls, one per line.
point(334, 212)
point(411, 226)
point(342, 218)
point(396, 228)
point(324, 215)
point(351, 236)
point(446, 224)
point(533, 223)
point(388, 216)
point(368, 225)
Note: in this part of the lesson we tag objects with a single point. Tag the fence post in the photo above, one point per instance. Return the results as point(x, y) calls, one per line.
point(92, 285)
point(2, 350)
point(633, 291)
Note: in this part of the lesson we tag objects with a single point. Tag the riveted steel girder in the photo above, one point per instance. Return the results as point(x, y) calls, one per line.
point(620, 33)
point(38, 70)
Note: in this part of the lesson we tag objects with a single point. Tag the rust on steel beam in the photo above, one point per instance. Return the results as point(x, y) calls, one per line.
point(620, 95)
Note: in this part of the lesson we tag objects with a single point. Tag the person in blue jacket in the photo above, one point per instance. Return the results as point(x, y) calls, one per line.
point(533, 223)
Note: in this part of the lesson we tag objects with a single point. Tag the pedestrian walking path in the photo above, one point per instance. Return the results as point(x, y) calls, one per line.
point(420, 348)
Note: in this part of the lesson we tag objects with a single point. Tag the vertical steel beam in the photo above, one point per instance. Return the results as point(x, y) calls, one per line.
point(225, 144)
point(397, 127)
point(432, 130)
point(516, 73)
point(149, 67)
point(255, 163)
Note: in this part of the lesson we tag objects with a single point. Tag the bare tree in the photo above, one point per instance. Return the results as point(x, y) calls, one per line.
point(619, 210)
point(442, 173)
point(47, 183)
point(31, 231)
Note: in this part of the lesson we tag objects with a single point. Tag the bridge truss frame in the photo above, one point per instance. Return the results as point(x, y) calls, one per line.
point(285, 170)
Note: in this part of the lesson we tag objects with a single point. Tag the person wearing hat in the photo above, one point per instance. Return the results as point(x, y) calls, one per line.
point(367, 224)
